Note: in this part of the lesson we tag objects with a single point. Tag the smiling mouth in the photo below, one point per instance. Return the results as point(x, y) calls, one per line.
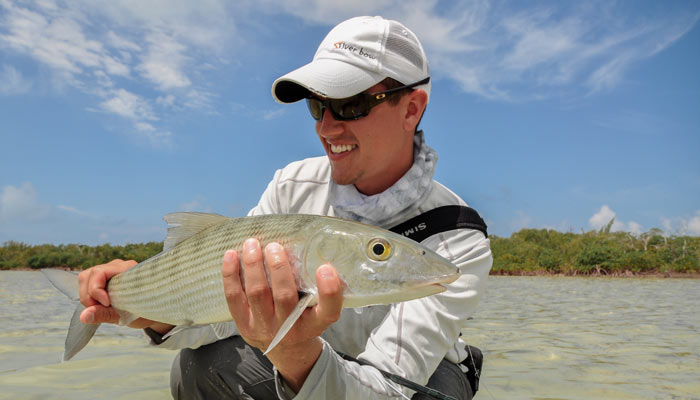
point(337, 149)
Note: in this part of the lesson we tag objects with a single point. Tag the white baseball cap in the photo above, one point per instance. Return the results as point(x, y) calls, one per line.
point(354, 56)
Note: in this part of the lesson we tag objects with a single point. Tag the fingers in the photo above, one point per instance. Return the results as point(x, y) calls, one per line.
point(233, 288)
point(99, 314)
point(96, 287)
point(92, 281)
point(261, 299)
point(256, 285)
point(330, 296)
point(284, 288)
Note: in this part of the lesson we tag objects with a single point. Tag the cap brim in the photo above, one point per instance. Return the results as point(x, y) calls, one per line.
point(325, 77)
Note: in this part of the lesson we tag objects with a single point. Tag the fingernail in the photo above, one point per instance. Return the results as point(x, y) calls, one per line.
point(228, 256)
point(326, 272)
point(249, 245)
point(274, 247)
point(273, 252)
point(90, 318)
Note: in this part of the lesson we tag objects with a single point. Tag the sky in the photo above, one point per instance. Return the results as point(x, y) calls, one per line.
point(544, 114)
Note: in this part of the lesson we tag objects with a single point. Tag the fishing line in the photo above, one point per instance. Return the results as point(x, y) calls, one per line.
point(391, 385)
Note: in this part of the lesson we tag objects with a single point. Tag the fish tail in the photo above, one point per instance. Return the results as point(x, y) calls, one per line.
point(79, 334)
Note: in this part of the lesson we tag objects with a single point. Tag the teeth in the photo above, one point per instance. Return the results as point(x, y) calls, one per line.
point(342, 148)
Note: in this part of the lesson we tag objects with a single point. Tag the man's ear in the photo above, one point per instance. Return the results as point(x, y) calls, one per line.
point(415, 103)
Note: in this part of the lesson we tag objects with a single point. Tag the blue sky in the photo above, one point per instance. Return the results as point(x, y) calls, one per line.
point(545, 114)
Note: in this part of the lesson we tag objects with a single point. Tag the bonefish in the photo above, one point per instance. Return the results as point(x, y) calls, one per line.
point(183, 284)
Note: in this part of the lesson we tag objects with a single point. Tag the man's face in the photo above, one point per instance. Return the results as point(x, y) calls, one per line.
point(370, 153)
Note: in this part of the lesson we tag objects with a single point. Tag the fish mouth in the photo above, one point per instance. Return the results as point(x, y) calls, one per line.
point(443, 280)
point(438, 285)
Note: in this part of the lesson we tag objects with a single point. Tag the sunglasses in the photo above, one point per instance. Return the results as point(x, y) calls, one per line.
point(354, 107)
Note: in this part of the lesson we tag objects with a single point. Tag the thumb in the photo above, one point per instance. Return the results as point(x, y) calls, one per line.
point(330, 294)
point(98, 314)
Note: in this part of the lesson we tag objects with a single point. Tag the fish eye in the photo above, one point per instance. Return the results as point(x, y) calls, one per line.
point(379, 249)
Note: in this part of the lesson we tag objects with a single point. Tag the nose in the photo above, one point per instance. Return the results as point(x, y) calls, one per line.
point(328, 126)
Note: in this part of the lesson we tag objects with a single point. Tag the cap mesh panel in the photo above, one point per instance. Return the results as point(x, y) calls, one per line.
point(403, 45)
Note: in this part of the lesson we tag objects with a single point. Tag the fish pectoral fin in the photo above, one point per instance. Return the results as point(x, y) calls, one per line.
point(178, 328)
point(305, 301)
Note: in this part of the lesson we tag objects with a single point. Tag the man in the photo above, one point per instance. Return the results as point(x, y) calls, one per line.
point(367, 88)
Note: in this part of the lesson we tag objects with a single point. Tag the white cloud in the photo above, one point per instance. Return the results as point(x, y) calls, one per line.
point(12, 82)
point(121, 43)
point(156, 138)
point(681, 225)
point(94, 46)
point(139, 111)
point(24, 218)
point(328, 11)
point(536, 40)
point(273, 114)
point(56, 39)
point(163, 63)
point(668, 225)
point(603, 217)
point(128, 105)
point(74, 211)
point(157, 50)
point(693, 224)
point(21, 203)
point(166, 101)
point(635, 228)
point(507, 52)
point(199, 99)
point(197, 204)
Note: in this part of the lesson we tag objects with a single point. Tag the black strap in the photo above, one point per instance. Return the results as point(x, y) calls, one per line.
point(436, 394)
point(440, 219)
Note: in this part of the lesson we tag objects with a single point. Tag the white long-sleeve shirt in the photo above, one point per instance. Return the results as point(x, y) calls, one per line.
point(410, 338)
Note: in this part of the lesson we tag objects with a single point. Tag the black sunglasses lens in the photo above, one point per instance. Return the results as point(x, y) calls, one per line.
point(342, 109)
point(354, 107)
point(316, 108)
point(348, 109)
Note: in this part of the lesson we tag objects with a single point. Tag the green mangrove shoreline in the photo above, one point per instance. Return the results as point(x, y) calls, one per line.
point(528, 252)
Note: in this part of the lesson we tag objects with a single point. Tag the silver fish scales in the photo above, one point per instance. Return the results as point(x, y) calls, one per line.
point(183, 284)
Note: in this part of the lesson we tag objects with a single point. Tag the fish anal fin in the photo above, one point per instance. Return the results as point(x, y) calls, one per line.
point(186, 224)
point(305, 301)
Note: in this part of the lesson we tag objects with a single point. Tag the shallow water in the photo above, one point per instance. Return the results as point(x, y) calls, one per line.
point(586, 338)
point(543, 338)
point(116, 364)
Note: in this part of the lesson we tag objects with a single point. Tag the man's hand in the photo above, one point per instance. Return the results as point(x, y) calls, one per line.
point(260, 309)
point(91, 287)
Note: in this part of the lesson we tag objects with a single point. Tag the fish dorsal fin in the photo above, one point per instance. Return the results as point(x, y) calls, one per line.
point(186, 224)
